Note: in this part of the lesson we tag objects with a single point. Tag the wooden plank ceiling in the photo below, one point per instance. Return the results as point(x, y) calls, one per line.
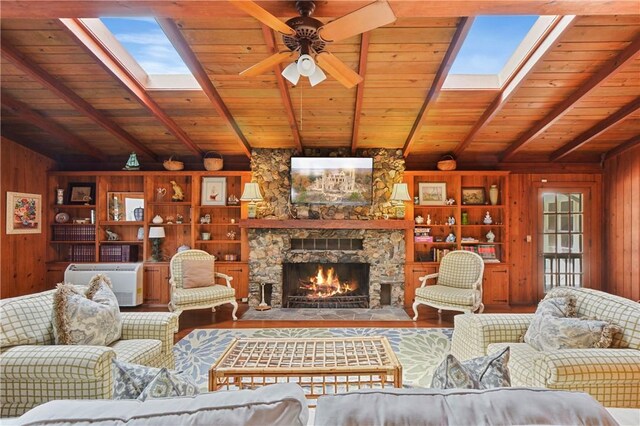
point(563, 109)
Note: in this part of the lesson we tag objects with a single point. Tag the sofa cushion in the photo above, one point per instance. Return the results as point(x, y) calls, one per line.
point(203, 294)
point(138, 351)
point(26, 320)
point(168, 384)
point(483, 372)
point(547, 333)
point(278, 404)
point(130, 379)
point(92, 318)
point(503, 406)
point(197, 273)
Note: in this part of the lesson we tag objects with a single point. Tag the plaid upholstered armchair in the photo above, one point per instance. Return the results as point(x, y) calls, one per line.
point(182, 266)
point(458, 286)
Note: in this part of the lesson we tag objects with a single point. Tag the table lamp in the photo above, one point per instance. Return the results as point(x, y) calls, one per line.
point(399, 195)
point(156, 234)
point(251, 194)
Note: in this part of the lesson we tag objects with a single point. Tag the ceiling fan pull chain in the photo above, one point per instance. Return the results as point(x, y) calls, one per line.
point(300, 107)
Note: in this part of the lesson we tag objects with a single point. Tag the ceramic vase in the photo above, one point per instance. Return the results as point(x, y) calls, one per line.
point(138, 214)
point(493, 195)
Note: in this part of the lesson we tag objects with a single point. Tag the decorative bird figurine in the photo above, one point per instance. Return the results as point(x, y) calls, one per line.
point(178, 195)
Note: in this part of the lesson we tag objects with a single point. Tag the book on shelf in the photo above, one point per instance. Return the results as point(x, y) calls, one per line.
point(469, 240)
point(423, 239)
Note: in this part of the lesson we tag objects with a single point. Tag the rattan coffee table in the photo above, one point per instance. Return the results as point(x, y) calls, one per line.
point(320, 365)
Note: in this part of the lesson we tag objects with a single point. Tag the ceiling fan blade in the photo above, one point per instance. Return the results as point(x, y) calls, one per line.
point(362, 20)
point(338, 69)
point(267, 64)
point(263, 16)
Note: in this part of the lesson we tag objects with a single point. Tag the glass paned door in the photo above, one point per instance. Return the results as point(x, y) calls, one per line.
point(561, 239)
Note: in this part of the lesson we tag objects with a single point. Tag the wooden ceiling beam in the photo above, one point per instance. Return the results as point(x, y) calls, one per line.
point(47, 9)
point(607, 71)
point(438, 81)
point(96, 48)
point(595, 131)
point(634, 141)
point(63, 92)
point(176, 38)
point(546, 42)
point(25, 113)
point(269, 38)
point(362, 70)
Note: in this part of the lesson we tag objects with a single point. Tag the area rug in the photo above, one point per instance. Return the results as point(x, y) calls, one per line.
point(419, 350)
point(386, 313)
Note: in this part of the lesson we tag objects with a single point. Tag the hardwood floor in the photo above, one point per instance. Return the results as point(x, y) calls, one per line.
point(204, 318)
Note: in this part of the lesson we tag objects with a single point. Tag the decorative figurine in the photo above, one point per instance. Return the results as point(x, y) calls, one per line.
point(160, 193)
point(59, 196)
point(179, 218)
point(116, 215)
point(232, 200)
point(132, 163)
point(419, 220)
point(112, 236)
point(490, 236)
point(231, 235)
point(450, 201)
point(170, 219)
point(178, 195)
point(140, 235)
point(157, 219)
point(451, 238)
point(487, 219)
point(451, 220)
point(428, 220)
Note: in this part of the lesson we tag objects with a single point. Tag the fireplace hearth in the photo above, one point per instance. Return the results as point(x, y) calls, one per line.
point(326, 285)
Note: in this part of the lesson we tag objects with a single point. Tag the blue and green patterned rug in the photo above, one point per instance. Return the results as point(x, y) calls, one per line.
point(419, 350)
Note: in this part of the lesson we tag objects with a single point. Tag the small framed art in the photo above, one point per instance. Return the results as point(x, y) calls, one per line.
point(81, 193)
point(214, 191)
point(473, 195)
point(24, 213)
point(432, 193)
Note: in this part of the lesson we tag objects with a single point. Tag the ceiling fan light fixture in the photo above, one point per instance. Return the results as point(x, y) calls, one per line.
point(291, 73)
point(317, 77)
point(306, 65)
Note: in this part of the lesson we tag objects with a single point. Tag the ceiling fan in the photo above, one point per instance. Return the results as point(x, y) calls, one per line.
point(308, 37)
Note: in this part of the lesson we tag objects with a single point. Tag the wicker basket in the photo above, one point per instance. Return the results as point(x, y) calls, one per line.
point(213, 164)
point(447, 163)
point(173, 165)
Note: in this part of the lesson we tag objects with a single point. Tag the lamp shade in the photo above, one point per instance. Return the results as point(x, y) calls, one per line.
point(291, 73)
point(156, 232)
point(251, 192)
point(317, 77)
point(400, 192)
point(306, 65)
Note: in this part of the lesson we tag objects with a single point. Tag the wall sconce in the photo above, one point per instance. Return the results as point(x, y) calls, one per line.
point(156, 234)
point(251, 194)
point(399, 195)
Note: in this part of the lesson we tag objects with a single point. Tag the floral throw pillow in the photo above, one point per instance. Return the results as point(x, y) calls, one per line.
point(484, 372)
point(92, 318)
point(550, 333)
point(167, 384)
point(129, 380)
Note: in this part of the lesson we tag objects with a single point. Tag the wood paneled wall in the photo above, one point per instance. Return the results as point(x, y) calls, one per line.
point(622, 224)
point(523, 195)
point(23, 255)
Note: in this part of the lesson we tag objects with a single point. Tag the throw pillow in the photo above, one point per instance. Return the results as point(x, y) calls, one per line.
point(92, 318)
point(485, 372)
point(557, 306)
point(452, 374)
point(548, 333)
point(197, 273)
point(167, 384)
point(129, 380)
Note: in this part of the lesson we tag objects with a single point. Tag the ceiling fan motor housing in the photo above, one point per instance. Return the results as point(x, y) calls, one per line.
point(306, 29)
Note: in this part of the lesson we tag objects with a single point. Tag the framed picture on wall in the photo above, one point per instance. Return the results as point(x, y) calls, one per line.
point(81, 193)
point(432, 193)
point(24, 213)
point(214, 191)
point(473, 195)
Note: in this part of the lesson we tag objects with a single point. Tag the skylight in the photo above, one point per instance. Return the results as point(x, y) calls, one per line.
point(146, 42)
point(493, 49)
point(144, 50)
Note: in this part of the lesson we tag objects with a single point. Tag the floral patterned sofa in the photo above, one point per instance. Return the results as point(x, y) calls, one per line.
point(33, 370)
point(610, 375)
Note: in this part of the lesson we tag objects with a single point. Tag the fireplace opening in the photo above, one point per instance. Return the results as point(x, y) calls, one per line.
point(326, 285)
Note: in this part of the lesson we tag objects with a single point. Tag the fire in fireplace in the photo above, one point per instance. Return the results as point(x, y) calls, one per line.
point(326, 285)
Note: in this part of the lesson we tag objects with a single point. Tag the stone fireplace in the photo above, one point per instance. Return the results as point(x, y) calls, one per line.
point(382, 250)
point(360, 241)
